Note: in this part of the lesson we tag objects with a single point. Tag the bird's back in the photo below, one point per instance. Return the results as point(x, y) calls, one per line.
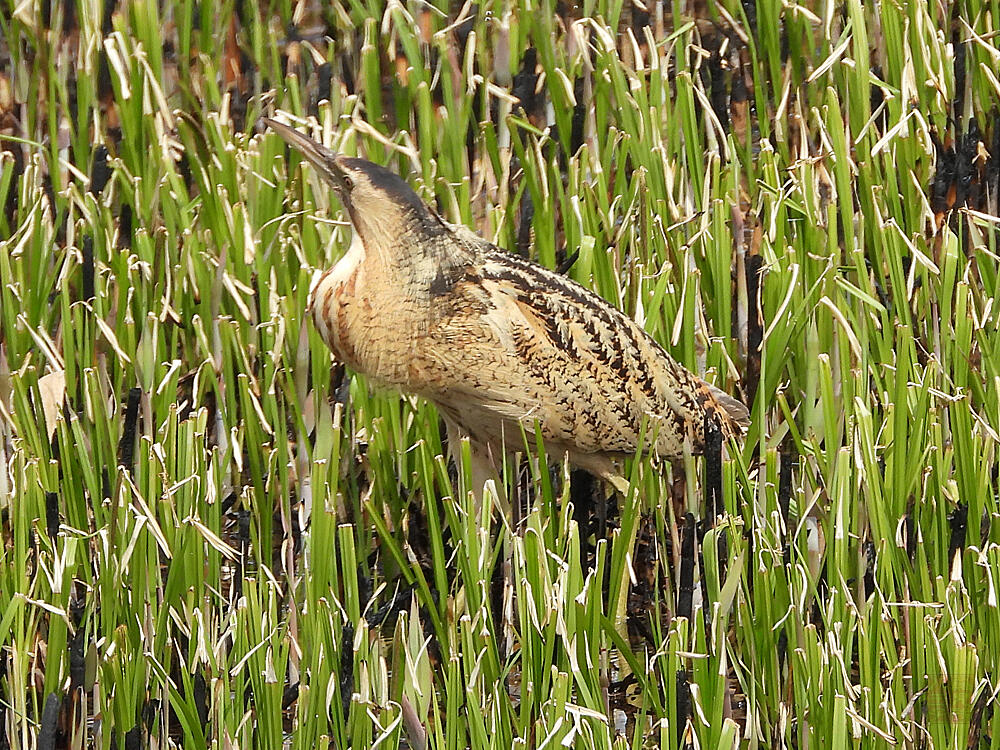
point(516, 342)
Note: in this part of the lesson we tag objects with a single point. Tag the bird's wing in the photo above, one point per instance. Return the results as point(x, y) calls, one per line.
point(547, 348)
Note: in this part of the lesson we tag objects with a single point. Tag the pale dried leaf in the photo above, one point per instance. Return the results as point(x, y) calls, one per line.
point(52, 389)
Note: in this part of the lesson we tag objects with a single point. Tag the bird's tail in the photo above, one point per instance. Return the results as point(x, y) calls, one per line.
point(732, 415)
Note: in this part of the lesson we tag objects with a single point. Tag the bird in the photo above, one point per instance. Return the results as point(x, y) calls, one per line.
point(500, 345)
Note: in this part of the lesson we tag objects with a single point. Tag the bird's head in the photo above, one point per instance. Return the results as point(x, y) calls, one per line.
point(381, 206)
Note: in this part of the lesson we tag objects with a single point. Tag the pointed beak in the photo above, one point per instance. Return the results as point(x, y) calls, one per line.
point(323, 159)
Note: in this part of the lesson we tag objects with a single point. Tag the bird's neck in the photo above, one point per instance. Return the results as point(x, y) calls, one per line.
point(411, 257)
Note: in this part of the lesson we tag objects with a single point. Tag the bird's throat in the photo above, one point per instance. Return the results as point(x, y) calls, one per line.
point(332, 296)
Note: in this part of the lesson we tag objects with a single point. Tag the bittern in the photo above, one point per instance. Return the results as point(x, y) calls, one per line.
point(496, 342)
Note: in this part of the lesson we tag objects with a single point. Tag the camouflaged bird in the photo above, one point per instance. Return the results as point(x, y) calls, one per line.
point(494, 341)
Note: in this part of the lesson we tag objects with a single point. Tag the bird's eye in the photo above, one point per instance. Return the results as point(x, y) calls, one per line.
point(348, 182)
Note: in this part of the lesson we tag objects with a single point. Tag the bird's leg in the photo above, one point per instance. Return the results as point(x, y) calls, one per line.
point(678, 489)
point(601, 466)
point(482, 467)
point(482, 470)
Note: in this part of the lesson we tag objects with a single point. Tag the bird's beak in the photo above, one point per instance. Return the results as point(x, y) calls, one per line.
point(323, 159)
